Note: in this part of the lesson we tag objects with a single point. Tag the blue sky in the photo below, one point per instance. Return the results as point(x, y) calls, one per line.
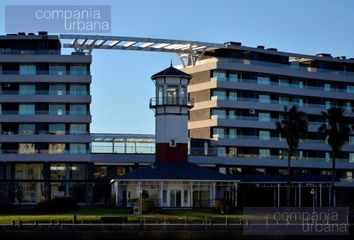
point(121, 85)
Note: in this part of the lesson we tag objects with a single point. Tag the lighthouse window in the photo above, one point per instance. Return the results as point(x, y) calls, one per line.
point(160, 95)
point(171, 94)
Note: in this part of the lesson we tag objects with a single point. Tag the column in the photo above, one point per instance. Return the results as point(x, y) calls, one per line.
point(116, 191)
point(211, 194)
point(161, 194)
point(214, 193)
point(236, 194)
point(191, 198)
point(278, 195)
point(320, 195)
point(299, 195)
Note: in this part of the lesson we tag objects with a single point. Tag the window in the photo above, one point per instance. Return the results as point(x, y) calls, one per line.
point(77, 148)
point(160, 95)
point(233, 77)
point(78, 89)
point(77, 128)
point(57, 70)
point(26, 129)
point(233, 96)
point(264, 98)
point(218, 132)
point(26, 148)
point(185, 197)
point(232, 133)
point(57, 89)
point(56, 109)
point(219, 95)
point(263, 80)
point(164, 196)
point(283, 100)
point(221, 151)
point(27, 69)
point(350, 89)
point(78, 70)
point(327, 87)
point(77, 109)
point(120, 171)
point(219, 113)
point(283, 82)
point(171, 94)
point(219, 75)
point(56, 129)
point(232, 114)
point(27, 89)
point(26, 109)
point(232, 152)
point(351, 157)
point(264, 135)
point(264, 117)
point(28, 171)
point(264, 153)
point(55, 148)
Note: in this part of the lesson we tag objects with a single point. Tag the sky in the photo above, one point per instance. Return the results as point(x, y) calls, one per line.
point(121, 85)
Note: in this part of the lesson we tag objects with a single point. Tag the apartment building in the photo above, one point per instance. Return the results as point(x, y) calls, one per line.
point(44, 119)
point(240, 92)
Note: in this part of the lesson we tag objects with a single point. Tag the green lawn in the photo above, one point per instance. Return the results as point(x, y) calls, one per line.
point(93, 215)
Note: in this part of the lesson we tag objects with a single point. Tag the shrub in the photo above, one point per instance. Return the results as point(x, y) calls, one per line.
point(222, 206)
point(56, 205)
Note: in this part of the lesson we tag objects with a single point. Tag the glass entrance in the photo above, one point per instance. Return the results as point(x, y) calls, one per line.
point(175, 198)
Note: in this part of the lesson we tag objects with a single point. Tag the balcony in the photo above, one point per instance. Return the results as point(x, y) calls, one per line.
point(171, 101)
point(291, 66)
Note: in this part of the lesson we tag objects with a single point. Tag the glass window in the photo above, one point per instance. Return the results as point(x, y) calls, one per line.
point(56, 128)
point(232, 114)
point(78, 109)
point(160, 95)
point(57, 70)
point(264, 135)
point(219, 113)
point(221, 151)
point(78, 171)
point(219, 75)
point(27, 69)
point(232, 133)
point(220, 95)
point(26, 148)
point(78, 70)
point(28, 192)
point(351, 157)
point(263, 80)
point(57, 89)
point(27, 89)
point(171, 94)
point(283, 82)
point(327, 87)
point(233, 96)
point(350, 89)
point(26, 109)
point(58, 171)
point(78, 89)
point(218, 132)
point(232, 151)
point(78, 129)
point(264, 117)
point(100, 171)
point(78, 148)
point(233, 77)
point(120, 171)
point(283, 100)
point(26, 128)
point(56, 148)
point(264, 153)
point(264, 98)
point(28, 171)
point(56, 109)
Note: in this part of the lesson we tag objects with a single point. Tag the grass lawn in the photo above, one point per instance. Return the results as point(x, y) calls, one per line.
point(93, 215)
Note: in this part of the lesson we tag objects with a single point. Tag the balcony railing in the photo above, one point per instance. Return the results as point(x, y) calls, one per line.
point(171, 101)
point(43, 92)
point(289, 66)
point(45, 72)
point(284, 85)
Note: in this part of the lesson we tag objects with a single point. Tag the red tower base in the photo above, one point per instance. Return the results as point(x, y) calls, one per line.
point(177, 154)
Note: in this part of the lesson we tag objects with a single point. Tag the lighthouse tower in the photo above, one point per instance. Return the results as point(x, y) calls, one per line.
point(171, 105)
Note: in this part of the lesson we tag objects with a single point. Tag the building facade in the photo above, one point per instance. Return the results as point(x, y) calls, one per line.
point(44, 118)
point(240, 93)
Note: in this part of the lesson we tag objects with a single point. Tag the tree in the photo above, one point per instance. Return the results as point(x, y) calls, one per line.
point(293, 127)
point(336, 130)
